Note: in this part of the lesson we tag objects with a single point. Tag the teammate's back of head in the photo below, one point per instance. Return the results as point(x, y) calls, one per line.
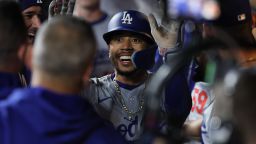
point(12, 31)
point(65, 46)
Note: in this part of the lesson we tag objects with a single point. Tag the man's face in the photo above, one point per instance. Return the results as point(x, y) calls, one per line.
point(121, 47)
point(32, 19)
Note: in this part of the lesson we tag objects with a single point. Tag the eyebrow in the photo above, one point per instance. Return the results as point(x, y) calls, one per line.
point(32, 12)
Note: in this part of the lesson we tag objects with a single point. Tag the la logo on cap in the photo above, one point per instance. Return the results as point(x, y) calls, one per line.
point(241, 17)
point(127, 19)
point(39, 1)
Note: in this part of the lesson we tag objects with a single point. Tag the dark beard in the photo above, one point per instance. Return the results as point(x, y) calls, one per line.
point(128, 74)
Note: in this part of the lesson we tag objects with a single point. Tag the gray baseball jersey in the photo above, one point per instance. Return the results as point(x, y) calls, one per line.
point(104, 96)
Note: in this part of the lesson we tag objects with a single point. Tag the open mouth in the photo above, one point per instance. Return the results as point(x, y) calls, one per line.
point(125, 58)
point(31, 37)
point(30, 34)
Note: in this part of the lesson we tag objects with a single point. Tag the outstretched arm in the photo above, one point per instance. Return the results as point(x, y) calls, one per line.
point(177, 99)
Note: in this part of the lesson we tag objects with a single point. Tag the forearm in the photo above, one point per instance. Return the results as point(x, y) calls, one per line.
point(178, 98)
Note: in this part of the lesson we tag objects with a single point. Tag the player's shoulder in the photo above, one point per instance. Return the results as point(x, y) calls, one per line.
point(102, 80)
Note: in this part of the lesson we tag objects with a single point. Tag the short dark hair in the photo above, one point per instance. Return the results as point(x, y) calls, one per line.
point(65, 46)
point(13, 31)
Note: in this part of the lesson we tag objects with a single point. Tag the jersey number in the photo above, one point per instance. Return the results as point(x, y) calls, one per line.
point(200, 101)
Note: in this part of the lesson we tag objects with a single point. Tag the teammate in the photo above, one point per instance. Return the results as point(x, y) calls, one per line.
point(12, 40)
point(90, 11)
point(236, 22)
point(51, 111)
point(118, 97)
point(32, 14)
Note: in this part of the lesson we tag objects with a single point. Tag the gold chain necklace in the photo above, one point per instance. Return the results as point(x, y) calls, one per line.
point(124, 106)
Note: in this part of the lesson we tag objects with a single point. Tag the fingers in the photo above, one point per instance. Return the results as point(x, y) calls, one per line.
point(64, 7)
point(51, 8)
point(71, 5)
point(152, 22)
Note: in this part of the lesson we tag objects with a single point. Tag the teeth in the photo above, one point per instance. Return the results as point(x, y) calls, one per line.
point(125, 57)
point(31, 34)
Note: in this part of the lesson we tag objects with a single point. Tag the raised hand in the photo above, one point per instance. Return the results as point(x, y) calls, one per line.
point(166, 34)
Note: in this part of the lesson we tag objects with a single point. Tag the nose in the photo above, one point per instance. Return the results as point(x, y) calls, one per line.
point(127, 44)
point(36, 22)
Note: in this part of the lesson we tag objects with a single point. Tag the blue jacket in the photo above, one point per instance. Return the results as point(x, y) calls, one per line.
point(39, 116)
point(8, 82)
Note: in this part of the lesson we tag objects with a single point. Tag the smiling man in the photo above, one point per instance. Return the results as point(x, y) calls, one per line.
point(32, 14)
point(118, 97)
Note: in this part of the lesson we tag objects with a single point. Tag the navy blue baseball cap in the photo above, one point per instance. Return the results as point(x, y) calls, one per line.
point(129, 21)
point(24, 4)
point(233, 12)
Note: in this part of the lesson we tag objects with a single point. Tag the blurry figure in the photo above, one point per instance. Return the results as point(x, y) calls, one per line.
point(52, 111)
point(32, 14)
point(115, 6)
point(90, 11)
point(253, 3)
point(253, 19)
point(244, 109)
point(12, 41)
point(254, 23)
point(155, 7)
point(235, 21)
point(222, 119)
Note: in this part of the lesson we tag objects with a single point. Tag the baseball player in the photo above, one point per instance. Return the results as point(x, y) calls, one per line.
point(236, 22)
point(118, 97)
point(12, 40)
point(91, 12)
point(52, 111)
point(32, 14)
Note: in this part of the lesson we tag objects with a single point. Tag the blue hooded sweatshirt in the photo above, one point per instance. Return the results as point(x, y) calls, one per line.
point(39, 116)
point(8, 82)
